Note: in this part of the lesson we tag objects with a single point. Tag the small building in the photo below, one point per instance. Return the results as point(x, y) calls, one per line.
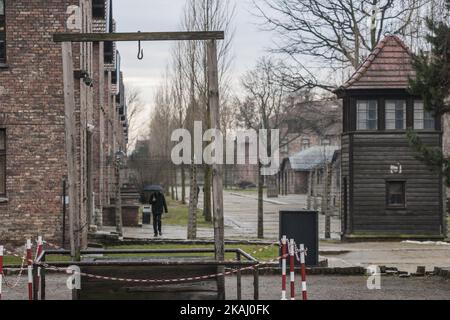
point(297, 170)
point(386, 191)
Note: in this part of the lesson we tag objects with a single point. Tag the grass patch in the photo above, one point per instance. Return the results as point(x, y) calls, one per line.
point(178, 215)
point(15, 261)
point(250, 191)
point(265, 255)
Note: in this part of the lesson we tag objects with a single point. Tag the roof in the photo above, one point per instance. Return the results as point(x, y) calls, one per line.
point(389, 66)
point(312, 157)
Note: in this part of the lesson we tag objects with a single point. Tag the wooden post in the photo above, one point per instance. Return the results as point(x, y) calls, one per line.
point(43, 270)
point(326, 201)
point(315, 185)
point(70, 132)
point(217, 170)
point(239, 278)
point(310, 186)
point(118, 202)
point(256, 283)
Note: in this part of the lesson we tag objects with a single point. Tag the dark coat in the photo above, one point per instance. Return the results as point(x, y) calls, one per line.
point(158, 202)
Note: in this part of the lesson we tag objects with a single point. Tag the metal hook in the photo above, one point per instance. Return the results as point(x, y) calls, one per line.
point(140, 54)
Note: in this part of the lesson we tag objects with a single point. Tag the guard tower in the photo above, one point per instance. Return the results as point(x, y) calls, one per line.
point(386, 191)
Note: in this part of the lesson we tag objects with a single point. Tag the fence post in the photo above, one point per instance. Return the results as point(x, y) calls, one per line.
point(1, 270)
point(239, 277)
point(283, 267)
point(35, 283)
point(292, 267)
point(43, 280)
point(256, 282)
point(40, 244)
point(30, 269)
point(302, 261)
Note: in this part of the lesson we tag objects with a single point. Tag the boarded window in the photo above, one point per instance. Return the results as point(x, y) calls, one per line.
point(367, 115)
point(396, 114)
point(2, 162)
point(395, 194)
point(423, 119)
point(2, 32)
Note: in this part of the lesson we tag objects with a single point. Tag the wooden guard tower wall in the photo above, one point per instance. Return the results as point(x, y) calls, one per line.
point(387, 192)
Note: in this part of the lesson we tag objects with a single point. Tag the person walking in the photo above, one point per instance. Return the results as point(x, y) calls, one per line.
point(159, 206)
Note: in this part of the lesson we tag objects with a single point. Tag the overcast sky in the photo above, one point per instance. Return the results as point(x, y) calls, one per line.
point(164, 15)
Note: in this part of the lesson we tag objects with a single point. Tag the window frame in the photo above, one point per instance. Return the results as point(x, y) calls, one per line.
point(388, 193)
point(426, 116)
point(3, 155)
point(405, 114)
point(3, 34)
point(367, 118)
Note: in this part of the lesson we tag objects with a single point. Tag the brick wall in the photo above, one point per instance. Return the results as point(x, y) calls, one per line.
point(32, 112)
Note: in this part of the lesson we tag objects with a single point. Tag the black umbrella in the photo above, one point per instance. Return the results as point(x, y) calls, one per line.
point(153, 188)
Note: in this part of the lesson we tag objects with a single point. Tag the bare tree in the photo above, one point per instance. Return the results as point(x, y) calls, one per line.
point(334, 35)
point(135, 106)
point(212, 15)
point(268, 104)
point(204, 15)
point(262, 108)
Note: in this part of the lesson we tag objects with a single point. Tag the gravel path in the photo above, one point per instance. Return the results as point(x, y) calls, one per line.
point(319, 288)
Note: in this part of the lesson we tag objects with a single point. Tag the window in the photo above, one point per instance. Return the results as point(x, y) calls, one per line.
point(99, 9)
point(2, 32)
point(395, 194)
point(2, 162)
point(395, 114)
point(326, 142)
point(423, 119)
point(367, 115)
point(306, 143)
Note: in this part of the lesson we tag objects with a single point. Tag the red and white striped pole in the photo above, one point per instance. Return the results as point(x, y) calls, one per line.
point(40, 246)
point(1, 270)
point(302, 261)
point(283, 267)
point(30, 269)
point(292, 265)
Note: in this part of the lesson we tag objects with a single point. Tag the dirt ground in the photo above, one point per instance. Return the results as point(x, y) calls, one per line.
point(319, 288)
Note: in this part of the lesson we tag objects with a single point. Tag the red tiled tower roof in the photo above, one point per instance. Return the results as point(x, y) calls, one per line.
point(389, 66)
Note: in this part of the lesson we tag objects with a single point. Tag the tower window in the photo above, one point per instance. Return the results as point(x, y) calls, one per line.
point(423, 119)
point(395, 114)
point(367, 115)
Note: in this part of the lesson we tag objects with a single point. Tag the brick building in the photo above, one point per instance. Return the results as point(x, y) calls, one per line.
point(32, 132)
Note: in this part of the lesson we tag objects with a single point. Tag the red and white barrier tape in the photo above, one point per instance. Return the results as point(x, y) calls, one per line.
point(292, 267)
point(302, 261)
point(30, 269)
point(283, 267)
point(66, 270)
